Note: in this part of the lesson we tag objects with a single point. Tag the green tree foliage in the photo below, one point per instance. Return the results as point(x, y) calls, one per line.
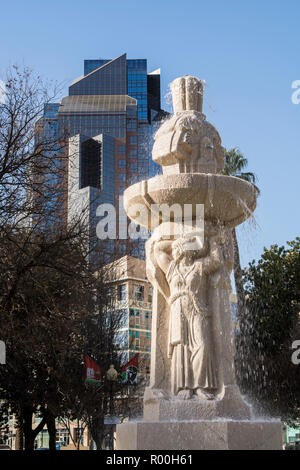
point(271, 324)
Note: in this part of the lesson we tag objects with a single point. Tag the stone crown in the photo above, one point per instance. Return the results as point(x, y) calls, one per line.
point(187, 94)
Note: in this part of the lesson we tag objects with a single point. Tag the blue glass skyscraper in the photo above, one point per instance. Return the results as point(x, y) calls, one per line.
point(120, 101)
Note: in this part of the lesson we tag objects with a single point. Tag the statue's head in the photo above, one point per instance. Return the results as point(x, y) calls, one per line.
point(187, 143)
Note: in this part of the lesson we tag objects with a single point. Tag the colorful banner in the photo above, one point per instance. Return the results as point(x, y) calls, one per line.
point(93, 373)
point(130, 371)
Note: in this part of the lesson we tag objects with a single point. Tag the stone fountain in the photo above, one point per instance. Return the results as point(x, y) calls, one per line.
point(193, 401)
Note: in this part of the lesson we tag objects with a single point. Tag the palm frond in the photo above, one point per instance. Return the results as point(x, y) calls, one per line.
point(235, 162)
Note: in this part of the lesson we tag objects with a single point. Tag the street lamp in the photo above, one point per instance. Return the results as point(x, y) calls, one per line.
point(112, 377)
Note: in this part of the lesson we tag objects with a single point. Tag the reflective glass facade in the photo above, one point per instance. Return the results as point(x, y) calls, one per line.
point(91, 125)
point(136, 76)
point(137, 85)
point(108, 79)
point(114, 100)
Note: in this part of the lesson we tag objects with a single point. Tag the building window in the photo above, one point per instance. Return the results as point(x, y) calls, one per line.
point(63, 436)
point(122, 177)
point(148, 335)
point(110, 292)
point(133, 140)
point(122, 292)
point(133, 166)
point(133, 153)
point(150, 294)
point(133, 179)
point(138, 292)
point(134, 251)
point(131, 124)
point(121, 150)
point(131, 311)
point(110, 295)
point(122, 163)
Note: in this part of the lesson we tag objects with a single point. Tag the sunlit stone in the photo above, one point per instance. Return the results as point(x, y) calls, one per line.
point(193, 401)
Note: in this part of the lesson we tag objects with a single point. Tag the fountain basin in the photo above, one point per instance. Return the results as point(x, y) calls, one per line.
point(227, 200)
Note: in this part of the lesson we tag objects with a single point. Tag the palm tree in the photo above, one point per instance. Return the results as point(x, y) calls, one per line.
point(235, 163)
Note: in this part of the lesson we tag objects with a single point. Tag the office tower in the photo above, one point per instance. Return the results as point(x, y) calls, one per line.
point(132, 298)
point(108, 119)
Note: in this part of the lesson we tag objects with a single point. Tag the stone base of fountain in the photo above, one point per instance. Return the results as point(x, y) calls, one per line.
point(159, 406)
point(221, 424)
point(221, 434)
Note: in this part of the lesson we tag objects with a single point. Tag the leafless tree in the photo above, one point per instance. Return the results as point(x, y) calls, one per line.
point(49, 295)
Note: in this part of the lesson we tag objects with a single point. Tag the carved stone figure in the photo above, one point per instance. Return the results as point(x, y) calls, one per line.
point(186, 279)
point(187, 143)
point(192, 358)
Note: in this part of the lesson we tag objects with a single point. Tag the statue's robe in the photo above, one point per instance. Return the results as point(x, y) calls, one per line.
point(190, 343)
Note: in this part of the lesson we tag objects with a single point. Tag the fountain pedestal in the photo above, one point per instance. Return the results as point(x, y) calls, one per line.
point(193, 401)
point(199, 435)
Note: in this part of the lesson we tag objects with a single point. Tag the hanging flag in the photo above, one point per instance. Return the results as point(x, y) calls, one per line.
point(93, 373)
point(130, 371)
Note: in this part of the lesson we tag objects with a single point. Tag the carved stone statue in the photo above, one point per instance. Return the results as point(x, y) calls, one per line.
point(186, 278)
point(187, 143)
point(192, 358)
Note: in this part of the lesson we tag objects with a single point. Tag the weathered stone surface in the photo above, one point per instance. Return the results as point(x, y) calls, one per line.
point(187, 143)
point(193, 401)
point(160, 406)
point(200, 435)
point(227, 200)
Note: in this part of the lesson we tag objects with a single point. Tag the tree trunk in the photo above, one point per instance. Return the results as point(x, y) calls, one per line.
point(98, 439)
point(19, 433)
point(97, 431)
point(28, 436)
point(29, 433)
point(238, 278)
point(52, 431)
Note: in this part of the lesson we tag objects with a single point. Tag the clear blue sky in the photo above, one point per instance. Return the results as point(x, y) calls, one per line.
point(247, 51)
